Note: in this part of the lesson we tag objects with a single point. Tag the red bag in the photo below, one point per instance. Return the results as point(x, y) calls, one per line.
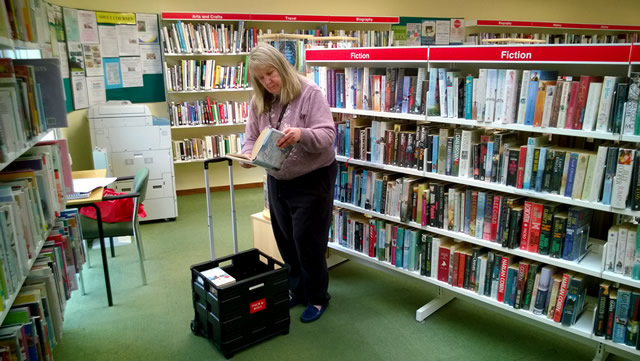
point(117, 210)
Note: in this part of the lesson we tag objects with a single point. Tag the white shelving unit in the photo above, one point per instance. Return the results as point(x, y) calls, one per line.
point(601, 56)
point(231, 90)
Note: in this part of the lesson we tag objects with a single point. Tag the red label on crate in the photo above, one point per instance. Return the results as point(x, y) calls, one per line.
point(258, 305)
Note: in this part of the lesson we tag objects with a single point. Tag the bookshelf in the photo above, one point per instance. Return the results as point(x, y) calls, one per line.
point(576, 60)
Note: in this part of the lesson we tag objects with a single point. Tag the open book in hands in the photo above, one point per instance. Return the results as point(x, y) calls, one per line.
point(265, 152)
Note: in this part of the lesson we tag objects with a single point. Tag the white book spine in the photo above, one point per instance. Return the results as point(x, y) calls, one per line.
point(621, 246)
point(513, 78)
point(435, 251)
point(588, 179)
point(456, 210)
point(348, 87)
point(482, 90)
point(606, 101)
point(591, 109)
point(548, 105)
point(490, 100)
point(630, 250)
point(453, 113)
point(564, 104)
point(610, 248)
point(465, 154)
point(622, 179)
point(442, 84)
point(579, 178)
point(499, 115)
point(628, 126)
point(524, 92)
point(482, 276)
point(598, 174)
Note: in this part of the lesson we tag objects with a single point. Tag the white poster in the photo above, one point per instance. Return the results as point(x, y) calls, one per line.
point(108, 41)
point(150, 55)
point(79, 90)
point(96, 90)
point(88, 27)
point(64, 60)
point(147, 28)
point(442, 32)
point(131, 69)
point(92, 60)
point(127, 40)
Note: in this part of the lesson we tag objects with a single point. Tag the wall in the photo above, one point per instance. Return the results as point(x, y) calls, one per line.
point(190, 176)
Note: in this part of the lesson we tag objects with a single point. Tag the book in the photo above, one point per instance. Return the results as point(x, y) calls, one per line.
point(217, 276)
point(265, 152)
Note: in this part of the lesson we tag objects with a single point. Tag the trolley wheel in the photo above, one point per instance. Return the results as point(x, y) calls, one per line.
point(193, 327)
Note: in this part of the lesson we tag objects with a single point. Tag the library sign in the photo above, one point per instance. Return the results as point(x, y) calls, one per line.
point(584, 54)
point(401, 54)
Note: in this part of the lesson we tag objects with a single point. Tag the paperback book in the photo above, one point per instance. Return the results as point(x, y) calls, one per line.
point(265, 152)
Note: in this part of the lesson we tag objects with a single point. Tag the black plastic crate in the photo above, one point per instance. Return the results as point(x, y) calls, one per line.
point(250, 310)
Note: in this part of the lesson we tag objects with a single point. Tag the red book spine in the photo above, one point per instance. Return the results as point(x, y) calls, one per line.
point(562, 293)
point(573, 102)
point(394, 239)
point(461, 267)
point(425, 215)
point(443, 264)
point(504, 267)
point(494, 217)
point(454, 273)
point(372, 240)
point(223, 119)
point(583, 92)
point(209, 111)
point(535, 227)
point(526, 226)
point(521, 163)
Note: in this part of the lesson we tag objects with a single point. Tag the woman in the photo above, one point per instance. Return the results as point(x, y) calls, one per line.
point(301, 192)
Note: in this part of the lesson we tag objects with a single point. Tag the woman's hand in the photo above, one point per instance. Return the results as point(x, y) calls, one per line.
point(291, 136)
point(245, 165)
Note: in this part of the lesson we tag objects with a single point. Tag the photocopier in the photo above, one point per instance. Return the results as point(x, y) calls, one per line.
point(132, 138)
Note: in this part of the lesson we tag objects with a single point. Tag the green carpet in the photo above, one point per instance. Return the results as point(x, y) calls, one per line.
point(371, 315)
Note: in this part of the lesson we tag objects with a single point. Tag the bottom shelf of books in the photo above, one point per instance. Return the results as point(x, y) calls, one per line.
point(545, 289)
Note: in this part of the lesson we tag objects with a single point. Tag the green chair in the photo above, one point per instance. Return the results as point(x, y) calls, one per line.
point(119, 229)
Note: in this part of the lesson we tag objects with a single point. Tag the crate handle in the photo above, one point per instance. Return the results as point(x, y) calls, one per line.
point(256, 286)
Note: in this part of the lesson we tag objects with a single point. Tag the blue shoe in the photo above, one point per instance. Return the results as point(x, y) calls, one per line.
point(311, 313)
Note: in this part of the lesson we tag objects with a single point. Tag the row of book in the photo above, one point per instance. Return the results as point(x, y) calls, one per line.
point(544, 290)
point(617, 314)
point(24, 20)
point(396, 90)
point(514, 222)
point(208, 112)
point(566, 38)
point(207, 38)
point(607, 174)
point(33, 325)
point(536, 98)
point(622, 250)
point(193, 75)
point(211, 146)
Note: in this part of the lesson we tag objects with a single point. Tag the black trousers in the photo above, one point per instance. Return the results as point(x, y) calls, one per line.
point(301, 211)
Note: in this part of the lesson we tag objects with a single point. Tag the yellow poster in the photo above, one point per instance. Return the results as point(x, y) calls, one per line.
point(115, 18)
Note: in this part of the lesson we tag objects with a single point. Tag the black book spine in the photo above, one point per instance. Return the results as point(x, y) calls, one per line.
point(534, 170)
point(429, 152)
point(506, 225)
point(487, 277)
point(635, 183)
point(516, 228)
point(440, 205)
point(512, 167)
point(548, 171)
point(558, 169)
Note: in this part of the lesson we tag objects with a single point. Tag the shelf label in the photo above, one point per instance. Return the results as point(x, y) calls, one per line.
point(291, 18)
point(504, 23)
point(368, 54)
point(540, 24)
point(365, 19)
point(533, 54)
point(635, 54)
point(204, 16)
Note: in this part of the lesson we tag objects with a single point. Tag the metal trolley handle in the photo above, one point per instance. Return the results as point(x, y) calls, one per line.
point(233, 208)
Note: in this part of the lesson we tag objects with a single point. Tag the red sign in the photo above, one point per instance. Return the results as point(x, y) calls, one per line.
point(635, 54)
point(258, 305)
point(205, 16)
point(365, 19)
point(539, 24)
point(418, 54)
point(603, 54)
point(293, 18)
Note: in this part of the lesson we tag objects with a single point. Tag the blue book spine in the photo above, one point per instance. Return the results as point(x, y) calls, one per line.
point(377, 199)
point(406, 249)
point(341, 89)
point(434, 157)
point(541, 163)
point(622, 315)
point(571, 174)
point(347, 137)
point(399, 247)
point(181, 36)
point(532, 95)
point(489, 163)
point(507, 287)
point(513, 289)
point(468, 97)
point(406, 90)
point(482, 196)
point(467, 211)
point(433, 108)
point(363, 188)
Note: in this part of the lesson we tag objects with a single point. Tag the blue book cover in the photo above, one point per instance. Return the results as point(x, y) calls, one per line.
point(355, 194)
point(622, 314)
point(468, 97)
point(507, 289)
point(578, 222)
point(514, 287)
point(434, 157)
point(467, 211)
point(363, 189)
point(541, 163)
point(571, 174)
point(181, 38)
point(377, 199)
point(489, 163)
point(532, 95)
point(399, 247)
point(347, 137)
